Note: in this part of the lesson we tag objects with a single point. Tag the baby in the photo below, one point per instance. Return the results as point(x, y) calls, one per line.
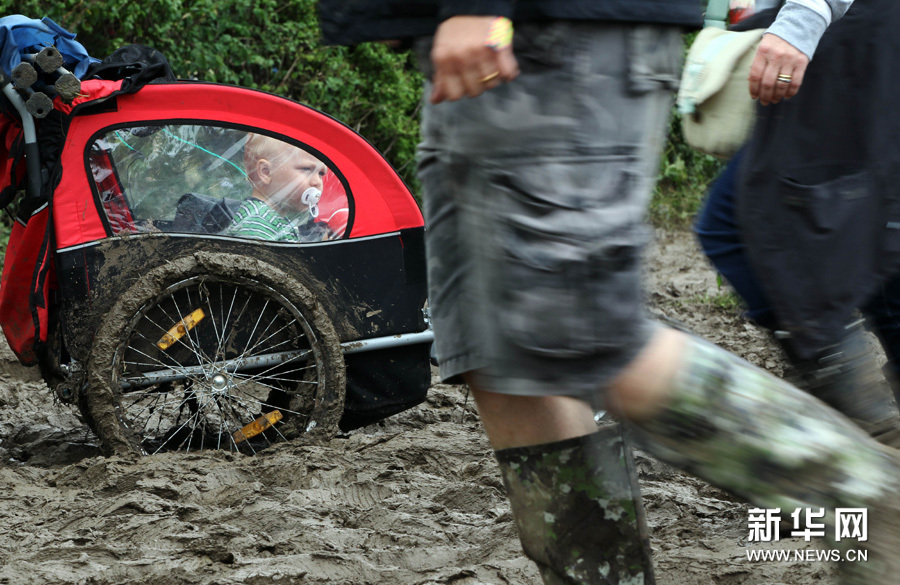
point(287, 183)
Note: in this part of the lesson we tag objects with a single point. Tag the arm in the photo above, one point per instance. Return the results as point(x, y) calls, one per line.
point(463, 65)
point(789, 45)
point(803, 22)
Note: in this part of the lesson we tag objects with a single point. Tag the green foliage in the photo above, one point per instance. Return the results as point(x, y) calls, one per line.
point(263, 44)
point(274, 46)
point(684, 177)
point(684, 174)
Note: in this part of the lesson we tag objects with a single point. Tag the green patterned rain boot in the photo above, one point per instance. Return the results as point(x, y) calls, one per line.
point(757, 436)
point(578, 510)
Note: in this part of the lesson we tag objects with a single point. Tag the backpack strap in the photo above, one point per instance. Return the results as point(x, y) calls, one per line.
point(716, 13)
point(136, 66)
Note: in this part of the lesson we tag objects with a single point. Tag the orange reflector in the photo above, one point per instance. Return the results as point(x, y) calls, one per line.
point(179, 330)
point(257, 426)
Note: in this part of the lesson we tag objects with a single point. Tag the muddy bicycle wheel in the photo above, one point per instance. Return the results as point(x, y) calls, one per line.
point(230, 357)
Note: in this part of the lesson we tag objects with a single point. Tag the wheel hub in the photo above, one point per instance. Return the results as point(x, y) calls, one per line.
point(219, 384)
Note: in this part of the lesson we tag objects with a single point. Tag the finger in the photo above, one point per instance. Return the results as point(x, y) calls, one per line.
point(437, 91)
point(796, 82)
point(780, 88)
point(757, 68)
point(498, 69)
point(491, 80)
point(766, 85)
point(478, 76)
point(437, 94)
point(445, 77)
point(488, 71)
point(771, 90)
point(448, 86)
point(507, 65)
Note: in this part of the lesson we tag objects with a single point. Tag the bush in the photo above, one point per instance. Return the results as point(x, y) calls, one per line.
point(684, 174)
point(274, 46)
point(262, 44)
point(684, 177)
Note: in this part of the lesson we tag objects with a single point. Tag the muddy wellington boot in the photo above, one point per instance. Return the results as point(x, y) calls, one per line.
point(757, 436)
point(578, 511)
point(847, 377)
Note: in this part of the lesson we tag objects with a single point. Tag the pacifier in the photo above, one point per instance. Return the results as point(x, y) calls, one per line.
point(310, 198)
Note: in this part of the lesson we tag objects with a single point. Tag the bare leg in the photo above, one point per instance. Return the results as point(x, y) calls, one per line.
point(519, 421)
point(641, 391)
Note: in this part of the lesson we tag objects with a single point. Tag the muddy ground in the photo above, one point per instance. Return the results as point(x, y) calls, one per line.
point(415, 500)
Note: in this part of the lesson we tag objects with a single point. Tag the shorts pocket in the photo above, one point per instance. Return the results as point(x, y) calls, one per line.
point(569, 298)
point(654, 56)
point(568, 235)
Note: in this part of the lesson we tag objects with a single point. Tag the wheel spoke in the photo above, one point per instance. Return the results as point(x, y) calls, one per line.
point(173, 434)
point(204, 293)
point(176, 404)
point(253, 333)
point(269, 349)
point(244, 399)
point(251, 417)
point(186, 371)
point(257, 354)
point(263, 375)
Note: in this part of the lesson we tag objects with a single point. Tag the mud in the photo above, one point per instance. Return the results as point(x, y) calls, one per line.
point(414, 500)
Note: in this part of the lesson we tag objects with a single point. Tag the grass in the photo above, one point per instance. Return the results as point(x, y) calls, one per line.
point(726, 300)
point(675, 208)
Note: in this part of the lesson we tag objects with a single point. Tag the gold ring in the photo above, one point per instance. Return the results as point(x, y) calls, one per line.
point(487, 78)
point(784, 78)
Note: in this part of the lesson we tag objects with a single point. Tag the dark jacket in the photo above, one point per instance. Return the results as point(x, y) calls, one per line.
point(818, 196)
point(347, 22)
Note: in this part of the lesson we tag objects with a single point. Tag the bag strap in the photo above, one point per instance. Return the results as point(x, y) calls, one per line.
point(716, 13)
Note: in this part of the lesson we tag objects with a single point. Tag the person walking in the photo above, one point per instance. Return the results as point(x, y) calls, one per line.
point(793, 220)
point(534, 191)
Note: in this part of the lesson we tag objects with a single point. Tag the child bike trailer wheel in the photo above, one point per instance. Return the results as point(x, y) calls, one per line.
point(213, 351)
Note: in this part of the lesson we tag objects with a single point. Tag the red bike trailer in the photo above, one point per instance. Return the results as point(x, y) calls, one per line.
point(123, 283)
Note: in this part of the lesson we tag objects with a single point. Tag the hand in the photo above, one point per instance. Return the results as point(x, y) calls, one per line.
point(775, 57)
point(463, 65)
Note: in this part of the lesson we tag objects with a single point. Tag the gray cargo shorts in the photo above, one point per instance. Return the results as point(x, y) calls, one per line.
point(535, 195)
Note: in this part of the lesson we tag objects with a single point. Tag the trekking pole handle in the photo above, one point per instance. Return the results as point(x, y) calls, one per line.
point(32, 154)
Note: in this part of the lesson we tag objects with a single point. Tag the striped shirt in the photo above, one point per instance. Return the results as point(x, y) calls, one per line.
point(255, 219)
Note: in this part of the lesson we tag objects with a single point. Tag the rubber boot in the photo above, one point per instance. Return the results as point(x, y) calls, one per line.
point(847, 377)
point(757, 436)
point(578, 510)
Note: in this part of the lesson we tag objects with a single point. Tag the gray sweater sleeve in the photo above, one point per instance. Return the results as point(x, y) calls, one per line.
point(803, 22)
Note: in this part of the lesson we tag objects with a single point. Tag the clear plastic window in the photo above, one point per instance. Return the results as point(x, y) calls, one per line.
point(207, 179)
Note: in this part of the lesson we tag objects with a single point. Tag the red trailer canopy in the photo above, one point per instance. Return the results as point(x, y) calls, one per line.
point(380, 201)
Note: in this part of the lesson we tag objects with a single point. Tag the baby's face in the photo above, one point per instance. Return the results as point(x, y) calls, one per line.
point(291, 176)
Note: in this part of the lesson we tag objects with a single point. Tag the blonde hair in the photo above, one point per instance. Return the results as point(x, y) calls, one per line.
point(259, 147)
